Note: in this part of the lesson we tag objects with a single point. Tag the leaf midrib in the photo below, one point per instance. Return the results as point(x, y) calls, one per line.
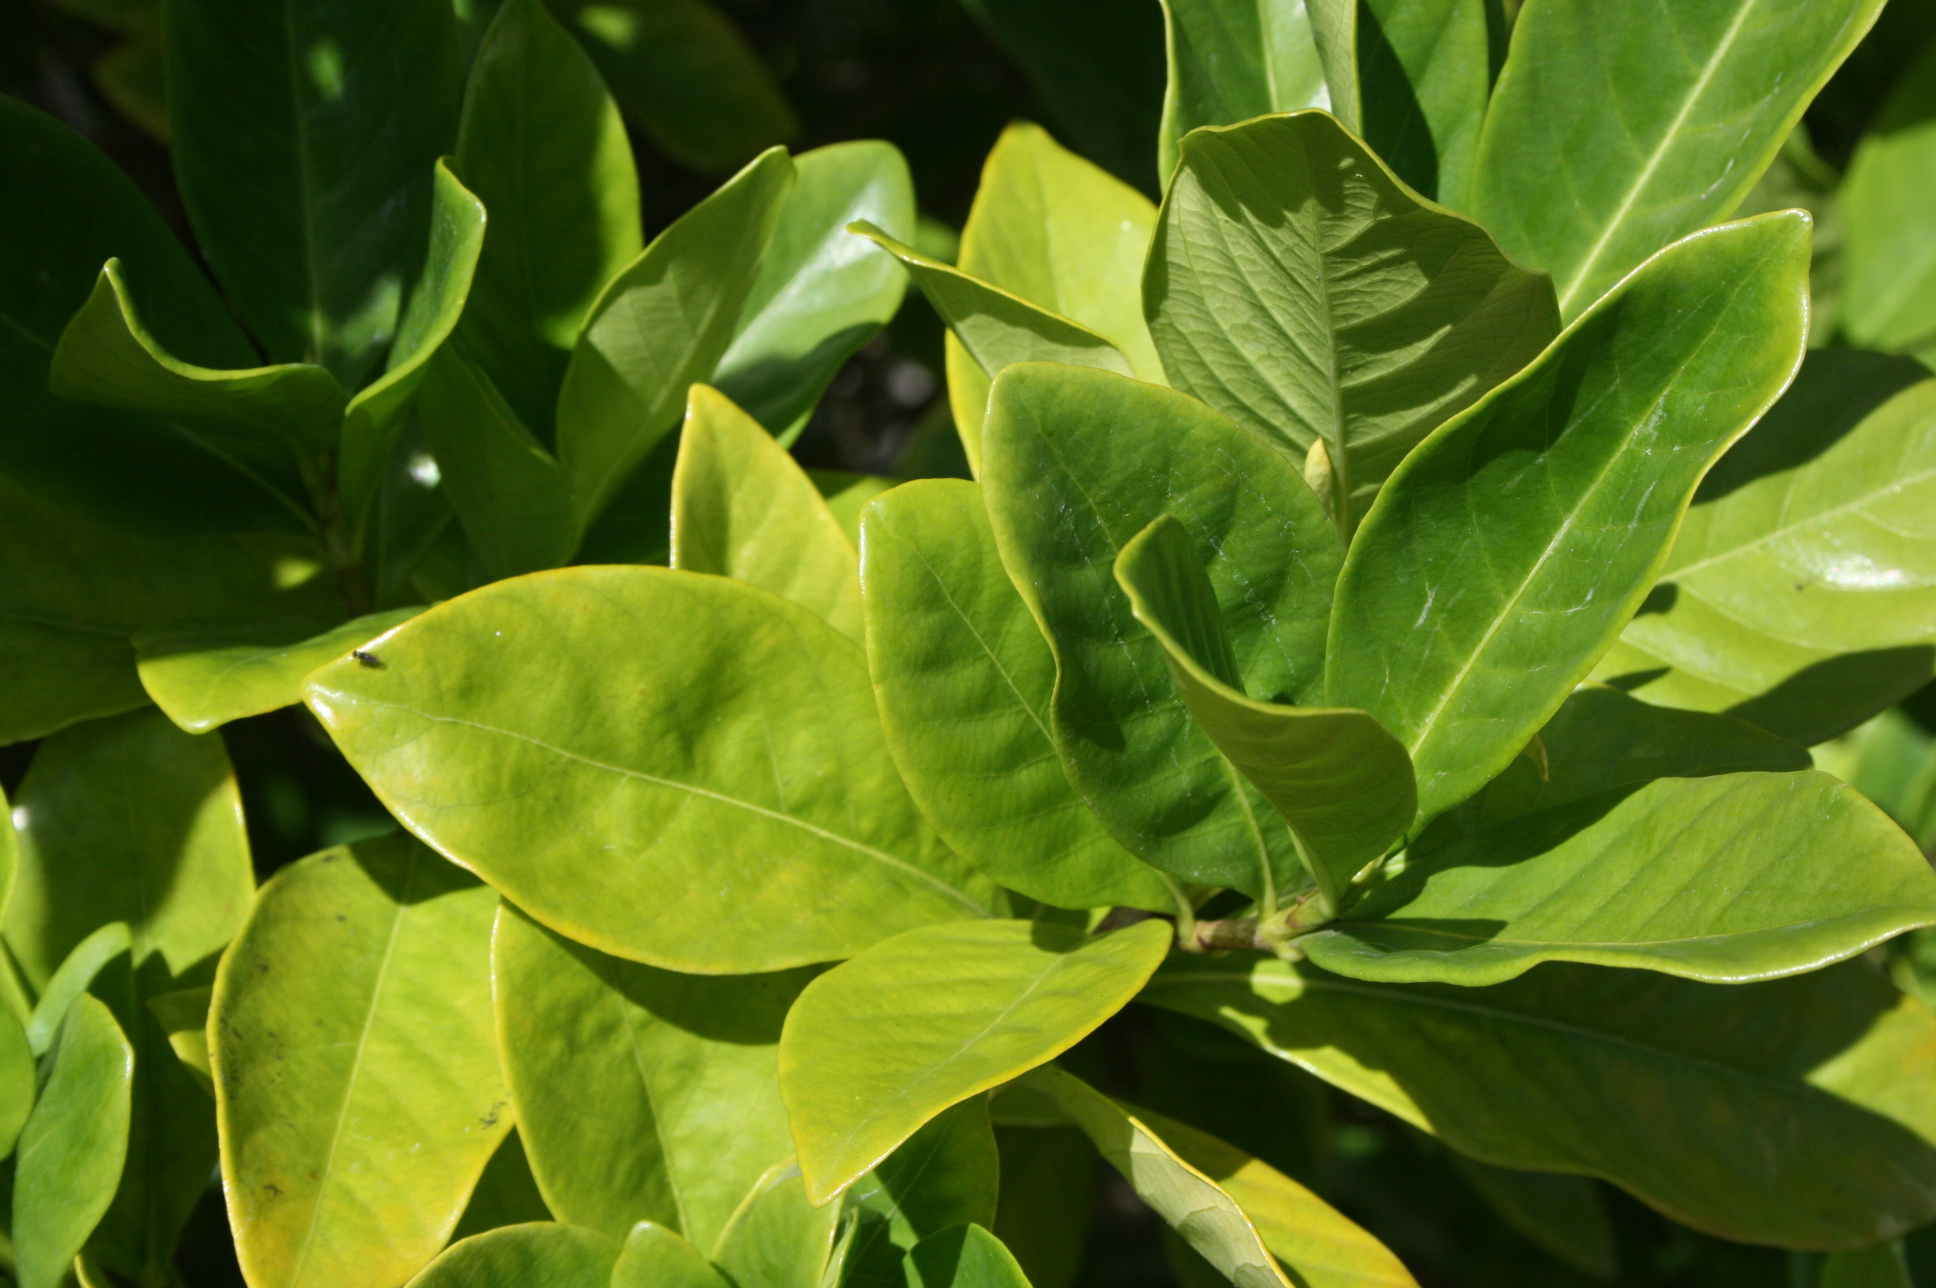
point(1820, 516)
point(879, 856)
point(1354, 927)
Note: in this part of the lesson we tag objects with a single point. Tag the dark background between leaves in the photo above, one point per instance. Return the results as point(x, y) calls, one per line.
point(923, 75)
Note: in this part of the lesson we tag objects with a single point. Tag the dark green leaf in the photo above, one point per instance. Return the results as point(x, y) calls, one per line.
point(686, 76)
point(642, 1094)
point(1511, 547)
point(1891, 256)
point(505, 1194)
point(1077, 463)
point(661, 324)
point(953, 647)
point(692, 843)
point(881, 1044)
point(963, 1256)
point(1801, 590)
point(354, 1014)
point(1881, 1266)
point(1796, 1112)
point(1336, 777)
point(945, 1174)
point(821, 293)
point(1297, 287)
point(1231, 60)
point(543, 148)
point(1682, 119)
point(72, 1146)
point(303, 139)
point(1561, 1215)
point(1426, 81)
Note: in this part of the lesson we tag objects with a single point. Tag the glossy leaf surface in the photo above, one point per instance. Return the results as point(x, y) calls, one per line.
point(204, 676)
point(1231, 60)
point(65, 210)
point(354, 1011)
point(743, 508)
point(511, 495)
point(374, 418)
point(1339, 780)
point(878, 1046)
point(525, 1256)
point(1208, 1218)
point(1891, 258)
point(1299, 288)
point(777, 1239)
point(655, 1257)
point(1684, 120)
point(128, 819)
point(641, 1094)
point(71, 1148)
point(107, 355)
point(662, 323)
point(1812, 1086)
point(693, 845)
point(542, 146)
point(963, 1256)
point(1511, 547)
point(1801, 590)
point(1728, 878)
point(73, 977)
point(315, 217)
point(953, 647)
point(822, 293)
point(1076, 464)
point(1050, 228)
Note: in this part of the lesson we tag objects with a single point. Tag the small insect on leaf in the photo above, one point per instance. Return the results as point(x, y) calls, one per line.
point(370, 660)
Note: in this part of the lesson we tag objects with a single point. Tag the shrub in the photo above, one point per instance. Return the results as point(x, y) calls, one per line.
point(1401, 578)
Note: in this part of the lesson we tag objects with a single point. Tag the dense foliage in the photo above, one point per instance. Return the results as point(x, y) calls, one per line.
point(1434, 607)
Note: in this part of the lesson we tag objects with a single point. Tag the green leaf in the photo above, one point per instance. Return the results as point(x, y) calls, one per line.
point(777, 1239)
point(1563, 1216)
point(73, 977)
point(72, 592)
point(662, 323)
point(1729, 878)
point(203, 675)
point(952, 646)
point(743, 508)
point(879, 1045)
point(686, 76)
point(1602, 740)
point(315, 216)
point(963, 1256)
point(821, 294)
point(106, 355)
point(847, 495)
point(1231, 60)
point(1043, 1214)
point(688, 841)
point(1684, 120)
point(1427, 77)
point(655, 1257)
point(945, 1174)
point(511, 495)
point(542, 146)
point(1052, 229)
point(1881, 1266)
point(352, 1014)
point(64, 211)
point(1189, 1201)
point(996, 328)
point(641, 1094)
point(1800, 593)
point(525, 1256)
point(1299, 288)
point(1891, 258)
point(128, 819)
point(183, 1016)
point(1529, 528)
point(16, 1080)
point(374, 419)
point(1339, 780)
point(71, 1148)
point(1795, 1112)
point(1077, 463)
